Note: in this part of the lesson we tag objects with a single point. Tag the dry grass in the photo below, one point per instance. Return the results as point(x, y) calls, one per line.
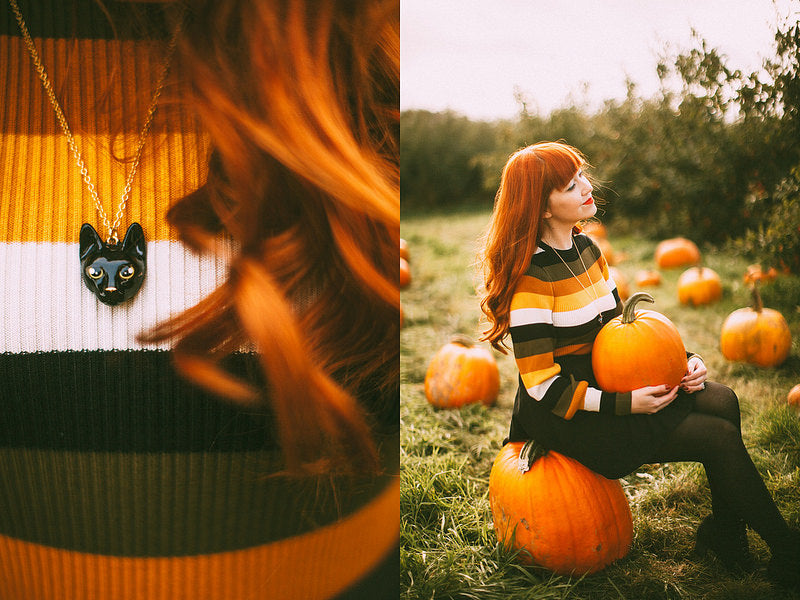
point(448, 547)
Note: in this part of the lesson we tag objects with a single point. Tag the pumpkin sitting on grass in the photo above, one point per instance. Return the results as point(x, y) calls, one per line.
point(676, 252)
point(755, 274)
point(404, 249)
point(621, 281)
point(756, 335)
point(405, 273)
point(462, 373)
point(699, 285)
point(556, 512)
point(645, 277)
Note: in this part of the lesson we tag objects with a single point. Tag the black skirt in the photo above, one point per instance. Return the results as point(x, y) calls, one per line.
point(607, 444)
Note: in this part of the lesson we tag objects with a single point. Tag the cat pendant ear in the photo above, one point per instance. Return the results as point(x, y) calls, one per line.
point(113, 272)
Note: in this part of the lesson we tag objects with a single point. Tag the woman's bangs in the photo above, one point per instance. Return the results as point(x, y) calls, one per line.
point(563, 162)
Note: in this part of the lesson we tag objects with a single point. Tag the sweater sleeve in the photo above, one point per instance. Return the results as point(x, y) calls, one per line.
point(533, 338)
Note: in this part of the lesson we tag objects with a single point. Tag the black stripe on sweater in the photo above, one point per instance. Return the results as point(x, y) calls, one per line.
point(114, 453)
point(170, 504)
point(84, 19)
point(122, 401)
point(531, 331)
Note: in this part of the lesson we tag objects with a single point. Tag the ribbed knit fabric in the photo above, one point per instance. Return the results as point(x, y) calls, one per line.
point(118, 479)
point(554, 313)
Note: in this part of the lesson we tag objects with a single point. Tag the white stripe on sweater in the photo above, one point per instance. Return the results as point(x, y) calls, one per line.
point(45, 306)
point(526, 316)
point(571, 318)
point(537, 392)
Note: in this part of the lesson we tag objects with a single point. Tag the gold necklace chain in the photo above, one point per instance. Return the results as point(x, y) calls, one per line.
point(62, 120)
point(585, 270)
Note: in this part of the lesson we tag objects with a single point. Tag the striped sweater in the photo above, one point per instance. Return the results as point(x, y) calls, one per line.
point(118, 479)
point(555, 312)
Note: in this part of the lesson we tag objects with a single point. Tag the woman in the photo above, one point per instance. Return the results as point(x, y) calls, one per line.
point(227, 427)
point(548, 286)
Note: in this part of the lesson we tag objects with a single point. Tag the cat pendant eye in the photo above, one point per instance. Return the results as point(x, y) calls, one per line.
point(114, 272)
point(94, 272)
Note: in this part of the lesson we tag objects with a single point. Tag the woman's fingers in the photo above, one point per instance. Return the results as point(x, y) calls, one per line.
point(694, 381)
point(694, 388)
point(651, 399)
point(658, 390)
point(669, 396)
point(695, 377)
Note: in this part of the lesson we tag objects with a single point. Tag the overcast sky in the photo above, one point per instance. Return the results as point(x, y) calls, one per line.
point(471, 55)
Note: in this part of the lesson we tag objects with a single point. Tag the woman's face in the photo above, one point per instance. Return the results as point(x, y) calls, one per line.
point(572, 203)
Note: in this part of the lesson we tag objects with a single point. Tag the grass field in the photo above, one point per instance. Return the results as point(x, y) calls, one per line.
point(448, 547)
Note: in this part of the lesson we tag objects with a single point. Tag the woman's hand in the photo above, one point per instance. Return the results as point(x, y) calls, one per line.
point(695, 377)
point(651, 399)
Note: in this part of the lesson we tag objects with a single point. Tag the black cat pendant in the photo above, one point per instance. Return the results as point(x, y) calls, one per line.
point(113, 272)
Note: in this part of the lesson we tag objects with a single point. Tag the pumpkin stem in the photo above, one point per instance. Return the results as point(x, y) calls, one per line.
point(758, 304)
point(529, 454)
point(629, 310)
point(462, 340)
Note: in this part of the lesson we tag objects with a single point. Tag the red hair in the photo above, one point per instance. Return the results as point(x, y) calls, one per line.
point(529, 177)
point(300, 100)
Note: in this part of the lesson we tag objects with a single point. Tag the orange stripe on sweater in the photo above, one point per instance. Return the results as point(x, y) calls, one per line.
point(51, 202)
point(105, 88)
point(573, 349)
point(316, 565)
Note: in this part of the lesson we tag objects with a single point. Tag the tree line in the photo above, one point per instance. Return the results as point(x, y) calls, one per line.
point(714, 156)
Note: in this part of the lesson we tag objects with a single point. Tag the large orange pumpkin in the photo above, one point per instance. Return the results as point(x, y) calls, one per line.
point(756, 335)
point(461, 373)
point(556, 512)
point(699, 285)
point(676, 252)
point(638, 348)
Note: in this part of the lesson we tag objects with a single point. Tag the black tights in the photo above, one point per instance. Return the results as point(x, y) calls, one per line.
point(711, 434)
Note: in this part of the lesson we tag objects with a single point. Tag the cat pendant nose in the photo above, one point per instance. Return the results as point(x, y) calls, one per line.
point(111, 289)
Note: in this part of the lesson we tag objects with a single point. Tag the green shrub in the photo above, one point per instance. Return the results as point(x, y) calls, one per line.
point(777, 241)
